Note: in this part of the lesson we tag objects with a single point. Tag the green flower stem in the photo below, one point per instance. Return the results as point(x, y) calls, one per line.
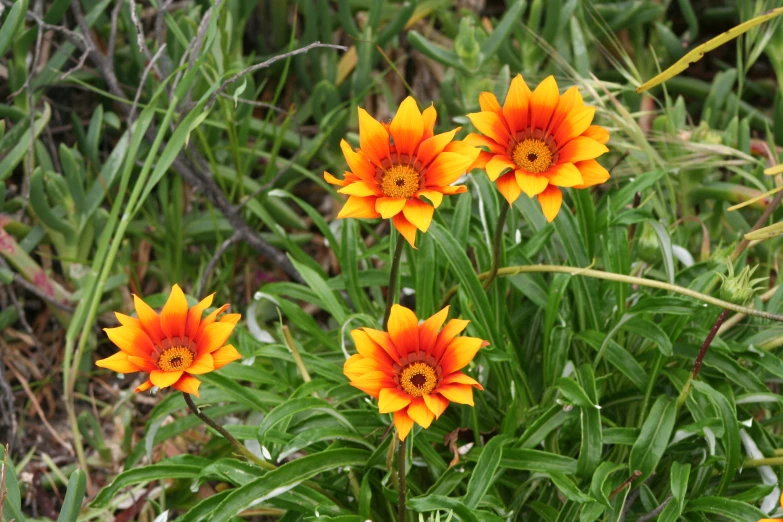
point(769, 461)
point(391, 295)
point(599, 274)
point(220, 429)
point(402, 451)
point(497, 246)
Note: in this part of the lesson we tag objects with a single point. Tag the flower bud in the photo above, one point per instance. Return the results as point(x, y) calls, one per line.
point(647, 244)
point(738, 289)
point(721, 255)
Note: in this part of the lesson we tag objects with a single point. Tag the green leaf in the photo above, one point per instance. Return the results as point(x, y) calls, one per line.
point(12, 507)
point(181, 466)
point(294, 406)
point(654, 437)
point(501, 31)
point(600, 480)
point(651, 331)
point(536, 460)
point(484, 473)
point(469, 282)
point(731, 438)
point(72, 504)
point(569, 488)
point(14, 157)
point(322, 291)
point(285, 478)
point(592, 436)
point(440, 502)
point(13, 21)
point(731, 509)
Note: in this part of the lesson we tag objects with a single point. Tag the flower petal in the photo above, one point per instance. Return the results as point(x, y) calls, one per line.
point(491, 125)
point(508, 186)
point(573, 125)
point(174, 314)
point(489, 103)
point(144, 386)
point(392, 399)
point(407, 127)
point(126, 320)
point(131, 340)
point(334, 181)
point(449, 332)
point(459, 353)
point(118, 363)
point(372, 383)
point(358, 207)
point(543, 102)
point(564, 175)
point(461, 378)
point(531, 184)
point(361, 189)
point(163, 379)
point(403, 423)
point(150, 320)
point(187, 384)
point(598, 133)
point(580, 149)
point(459, 393)
point(420, 413)
point(569, 102)
point(359, 164)
point(389, 207)
point(213, 337)
point(405, 228)
point(428, 330)
point(418, 213)
point(375, 344)
point(203, 363)
point(499, 164)
point(144, 364)
point(209, 319)
point(428, 116)
point(436, 403)
point(404, 330)
point(430, 148)
point(447, 168)
point(593, 173)
point(434, 196)
point(194, 316)
point(479, 140)
point(373, 138)
point(356, 366)
point(550, 199)
point(516, 108)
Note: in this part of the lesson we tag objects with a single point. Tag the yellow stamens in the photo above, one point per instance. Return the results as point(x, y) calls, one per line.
point(400, 181)
point(175, 359)
point(418, 379)
point(532, 155)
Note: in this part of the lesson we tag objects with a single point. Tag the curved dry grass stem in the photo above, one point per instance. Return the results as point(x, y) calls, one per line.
point(621, 278)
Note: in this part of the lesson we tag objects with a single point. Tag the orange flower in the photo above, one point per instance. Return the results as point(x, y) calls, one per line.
point(389, 177)
point(173, 346)
point(413, 370)
point(538, 142)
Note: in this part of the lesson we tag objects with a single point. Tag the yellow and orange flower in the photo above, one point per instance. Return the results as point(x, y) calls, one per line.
point(539, 141)
point(414, 369)
point(173, 346)
point(398, 164)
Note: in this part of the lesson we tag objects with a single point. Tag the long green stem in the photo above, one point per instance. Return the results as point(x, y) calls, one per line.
point(220, 429)
point(598, 274)
point(700, 357)
point(402, 452)
point(391, 295)
point(497, 246)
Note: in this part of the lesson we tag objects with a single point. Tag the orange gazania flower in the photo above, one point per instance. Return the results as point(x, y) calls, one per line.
point(398, 164)
point(413, 370)
point(538, 142)
point(173, 346)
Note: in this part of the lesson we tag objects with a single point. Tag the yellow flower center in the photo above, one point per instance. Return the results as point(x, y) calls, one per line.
point(175, 359)
point(418, 379)
point(532, 155)
point(400, 181)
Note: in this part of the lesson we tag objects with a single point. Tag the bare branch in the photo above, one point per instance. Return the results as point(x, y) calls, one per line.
point(202, 286)
point(264, 65)
point(139, 28)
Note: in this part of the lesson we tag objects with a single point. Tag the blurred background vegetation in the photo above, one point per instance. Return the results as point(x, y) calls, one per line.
point(129, 162)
